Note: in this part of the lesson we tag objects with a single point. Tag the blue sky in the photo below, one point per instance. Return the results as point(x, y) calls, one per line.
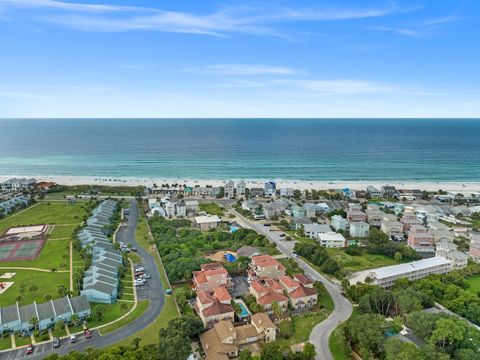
point(126, 58)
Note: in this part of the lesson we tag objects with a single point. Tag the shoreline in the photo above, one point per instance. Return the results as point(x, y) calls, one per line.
point(295, 184)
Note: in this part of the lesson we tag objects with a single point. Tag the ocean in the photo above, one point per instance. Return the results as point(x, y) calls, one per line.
point(301, 149)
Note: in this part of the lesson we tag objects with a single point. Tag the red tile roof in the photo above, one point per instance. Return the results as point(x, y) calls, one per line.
point(288, 281)
point(271, 297)
point(222, 294)
point(272, 284)
point(204, 297)
point(258, 287)
point(217, 308)
point(301, 292)
point(210, 266)
point(302, 279)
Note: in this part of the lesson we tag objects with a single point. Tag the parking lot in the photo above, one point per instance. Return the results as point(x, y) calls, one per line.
point(142, 290)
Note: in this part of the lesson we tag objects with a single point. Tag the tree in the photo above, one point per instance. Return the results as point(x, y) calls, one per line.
point(271, 351)
point(74, 319)
point(136, 342)
point(368, 338)
point(277, 310)
point(398, 256)
point(123, 307)
point(308, 352)
point(398, 350)
point(447, 331)
point(330, 266)
point(245, 354)
point(34, 322)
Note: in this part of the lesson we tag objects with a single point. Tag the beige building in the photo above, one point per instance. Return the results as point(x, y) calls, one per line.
point(215, 306)
point(211, 276)
point(265, 267)
point(207, 222)
point(331, 240)
point(299, 296)
point(268, 292)
point(224, 341)
point(391, 227)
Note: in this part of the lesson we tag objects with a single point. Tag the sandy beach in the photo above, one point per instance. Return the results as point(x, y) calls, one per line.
point(296, 184)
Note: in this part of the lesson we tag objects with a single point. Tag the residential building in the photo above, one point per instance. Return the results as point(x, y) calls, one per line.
point(449, 251)
point(265, 267)
point(298, 212)
point(442, 235)
point(312, 230)
point(331, 240)
point(286, 192)
point(354, 214)
point(373, 192)
point(420, 239)
point(250, 205)
point(474, 250)
point(273, 209)
point(268, 292)
point(225, 341)
point(312, 210)
point(270, 188)
point(230, 190)
point(191, 206)
point(15, 184)
point(359, 229)
point(181, 209)
point(214, 306)
point(389, 192)
point(299, 222)
point(300, 296)
point(257, 192)
point(408, 220)
point(391, 228)
point(387, 275)
point(211, 276)
point(240, 188)
point(374, 217)
point(338, 222)
point(207, 222)
point(15, 202)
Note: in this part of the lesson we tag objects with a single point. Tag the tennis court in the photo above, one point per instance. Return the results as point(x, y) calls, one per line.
point(21, 250)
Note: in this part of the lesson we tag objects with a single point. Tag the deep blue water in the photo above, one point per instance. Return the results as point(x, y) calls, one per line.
point(353, 149)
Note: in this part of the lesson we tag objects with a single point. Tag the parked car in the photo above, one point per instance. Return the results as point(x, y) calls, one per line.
point(146, 276)
point(87, 333)
point(267, 224)
point(30, 349)
point(294, 255)
point(72, 339)
point(168, 292)
point(282, 235)
point(140, 268)
point(56, 342)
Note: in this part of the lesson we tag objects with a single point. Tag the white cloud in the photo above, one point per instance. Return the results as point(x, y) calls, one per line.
point(399, 31)
point(117, 18)
point(18, 95)
point(243, 69)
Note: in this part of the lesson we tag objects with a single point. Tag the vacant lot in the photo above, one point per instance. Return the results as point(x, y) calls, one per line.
point(364, 261)
point(474, 282)
point(212, 208)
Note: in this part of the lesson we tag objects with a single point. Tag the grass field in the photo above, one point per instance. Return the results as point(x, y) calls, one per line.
point(212, 208)
point(22, 340)
point(5, 342)
point(335, 343)
point(139, 310)
point(474, 282)
point(45, 282)
point(361, 262)
point(62, 232)
point(299, 328)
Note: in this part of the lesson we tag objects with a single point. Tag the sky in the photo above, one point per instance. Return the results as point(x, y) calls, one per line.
point(325, 59)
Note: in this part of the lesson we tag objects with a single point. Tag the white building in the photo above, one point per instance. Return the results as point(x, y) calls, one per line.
point(373, 192)
point(207, 222)
point(191, 205)
point(312, 230)
point(286, 192)
point(230, 189)
point(359, 229)
point(338, 222)
point(331, 240)
point(387, 275)
point(241, 188)
point(391, 227)
point(448, 250)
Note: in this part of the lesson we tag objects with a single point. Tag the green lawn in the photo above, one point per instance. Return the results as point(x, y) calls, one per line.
point(45, 213)
point(62, 231)
point(335, 342)
point(46, 282)
point(22, 340)
point(299, 328)
point(474, 282)
point(361, 262)
point(60, 332)
point(139, 310)
point(5, 342)
point(42, 337)
point(211, 208)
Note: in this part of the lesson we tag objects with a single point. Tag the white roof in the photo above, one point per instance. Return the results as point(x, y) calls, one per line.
point(207, 219)
point(331, 236)
point(359, 224)
point(388, 271)
point(191, 202)
point(320, 228)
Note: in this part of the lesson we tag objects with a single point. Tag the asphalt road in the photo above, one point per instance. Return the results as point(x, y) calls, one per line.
point(342, 307)
point(153, 291)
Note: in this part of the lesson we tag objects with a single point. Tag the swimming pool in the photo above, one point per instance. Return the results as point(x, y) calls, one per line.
point(245, 312)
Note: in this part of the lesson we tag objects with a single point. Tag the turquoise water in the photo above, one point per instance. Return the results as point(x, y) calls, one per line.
point(244, 310)
point(353, 149)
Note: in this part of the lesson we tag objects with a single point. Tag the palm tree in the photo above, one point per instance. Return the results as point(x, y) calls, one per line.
point(74, 319)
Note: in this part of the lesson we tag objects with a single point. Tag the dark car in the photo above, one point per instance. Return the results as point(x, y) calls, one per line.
point(282, 235)
point(56, 342)
point(30, 349)
point(267, 224)
point(87, 333)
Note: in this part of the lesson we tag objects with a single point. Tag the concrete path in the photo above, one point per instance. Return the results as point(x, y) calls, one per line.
point(154, 291)
point(342, 307)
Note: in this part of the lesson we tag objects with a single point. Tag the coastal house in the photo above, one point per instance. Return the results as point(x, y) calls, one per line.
point(442, 235)
point(338, 223)
point(286, 192)
point(224, 341)
point(270, 188)
point(268, 292)
point(312, 210)
point(312, 230)
point(249, 205)
point(191, 206)
point(300, 296)
point(354, 214)
point(214, 306)
point(474, 249)
point(273, 209)
point(408, 220)
point(16, 184)
point(297, 223)
point(256, 192)
point(229, 189)
point(374, 217)
point(207, 222)
point(298, 212)
point(240, 188)
point(449, 251)
point(331, 240)
point(359, 229)
point(391, 228)
point(390, 192)
point(420, 239)
point(373, 192)
point(265, 267)
point(211, 276)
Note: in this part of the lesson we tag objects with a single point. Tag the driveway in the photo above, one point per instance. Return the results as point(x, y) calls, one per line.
point(154, 292)
point(342, 307)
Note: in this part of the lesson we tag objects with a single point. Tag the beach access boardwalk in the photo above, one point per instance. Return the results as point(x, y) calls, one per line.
point(342, 307)
point(155, 295)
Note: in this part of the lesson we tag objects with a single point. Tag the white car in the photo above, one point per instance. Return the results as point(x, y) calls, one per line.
point(139, 269)
point(294, 255)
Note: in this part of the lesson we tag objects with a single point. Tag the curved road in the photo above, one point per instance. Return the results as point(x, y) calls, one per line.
point(153, 291)
point(342, 307)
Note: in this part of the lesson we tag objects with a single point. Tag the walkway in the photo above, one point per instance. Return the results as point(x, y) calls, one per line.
point(156, 299)
point(342, 307)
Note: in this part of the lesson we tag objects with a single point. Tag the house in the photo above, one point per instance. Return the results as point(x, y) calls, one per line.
point(391, 228)
point(286, 192)
point(248, 251)
point(298, 212)
point(458, 259)
point(304, 280)
point(268, 292)
point(474, 250)
point(191, 206)
point(207, 222)
point(354, 214)
point(442, 235)
point(338, 223)
point(420, 239)
point(300, 296)
point(45, 186)
point(408, 220)
point(224, 341)
point(373, 192)
point(270, 188)
point(374, 217)
point(250, 205)
point(270, 210)
point(229, 190)
point(297, 223)
point(359, 229)
point(312, 230)
point(331, 240)
point(181, 209)
point(311, 210)
point(257, 192)
point(214, 306)
point(265, 267)
point(389, 192)
point(240, 188)
point(211, 276)
point(15, 184)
